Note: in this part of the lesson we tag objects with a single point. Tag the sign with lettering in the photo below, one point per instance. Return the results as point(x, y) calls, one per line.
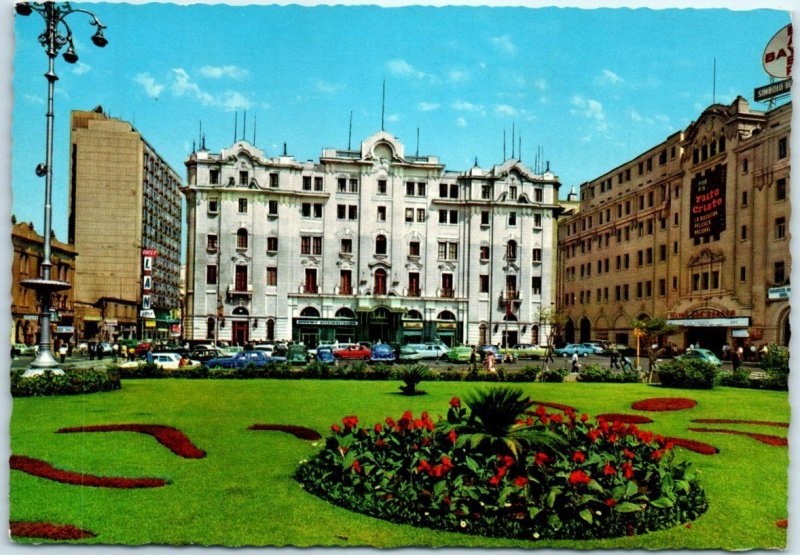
point(145, 302)
point(779, 54)
point(147, 264)
point(772, 90)
point(149, 313)
point(150, 252)
point(739, 322)
point(147, 282)
point(707, 203)
point(775, 293)
point(327, 323)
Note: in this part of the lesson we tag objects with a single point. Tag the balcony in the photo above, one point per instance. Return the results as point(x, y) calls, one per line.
point(234, 290)
point(447, 293)
point(510, 296)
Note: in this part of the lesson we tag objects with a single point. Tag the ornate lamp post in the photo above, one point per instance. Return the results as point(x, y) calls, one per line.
point(55, 36)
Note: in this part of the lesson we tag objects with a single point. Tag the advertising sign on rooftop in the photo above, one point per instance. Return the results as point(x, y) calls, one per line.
point(779, 54)
point(707, 216)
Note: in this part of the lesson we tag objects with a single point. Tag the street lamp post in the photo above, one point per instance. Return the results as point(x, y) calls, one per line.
point(55, 36)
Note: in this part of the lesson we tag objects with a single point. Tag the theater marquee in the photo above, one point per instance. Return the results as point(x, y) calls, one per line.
point(708, 203)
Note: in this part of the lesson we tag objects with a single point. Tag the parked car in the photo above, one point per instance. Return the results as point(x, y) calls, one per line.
point(596, 347)
point(459, 354)
point(240, 360)
point(204, 355)
point(325, 355)
point(434, 351)
point(325, 345)
point(572, 348)
point(21, 349)
point(528, 350)
point(141, 349)
point(701, 354)
point(353, 352)
point(619, 348)
point(407, 354)
point(171, 361)
point(499, 354)
point(266, 348)
point(297, 354)
point(382, 352)
point(232, 350)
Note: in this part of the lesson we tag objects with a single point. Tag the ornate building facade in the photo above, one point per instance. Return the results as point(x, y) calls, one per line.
point(370, 244)
point(695, 230)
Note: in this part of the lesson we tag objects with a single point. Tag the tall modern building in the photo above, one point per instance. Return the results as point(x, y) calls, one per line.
point(125, 220)
point(368, 244)
point(695, 230)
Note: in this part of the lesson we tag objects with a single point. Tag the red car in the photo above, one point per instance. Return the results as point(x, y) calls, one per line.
point(353, 352)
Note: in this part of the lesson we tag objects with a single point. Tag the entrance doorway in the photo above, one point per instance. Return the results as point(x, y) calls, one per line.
point(510, 338)
point(379, 323)
point(240, 332)
point(569, 332)
point(586, 330)
point(309, 339)
point(708, 338)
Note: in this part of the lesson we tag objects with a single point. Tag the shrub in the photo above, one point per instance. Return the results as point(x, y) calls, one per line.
point(497, 473)
point(73, 382)
point(775, 363)
point(596, 373)
point(554, 374)
point(688, 374)
point(411, 375)
point(739, 378)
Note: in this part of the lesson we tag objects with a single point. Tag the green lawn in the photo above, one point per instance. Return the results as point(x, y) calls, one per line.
point(242, 493)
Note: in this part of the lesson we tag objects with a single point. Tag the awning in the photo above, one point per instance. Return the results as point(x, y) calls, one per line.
point(735, 322)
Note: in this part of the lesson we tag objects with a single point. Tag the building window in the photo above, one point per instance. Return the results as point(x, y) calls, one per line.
point(413, 248)
point(272, 276)
point(662, 287)
point(742, 273)
point(447, 286)
point(512, 219)
point(341, 185)
point(715, 279)
point(346, 246)
point(447, 251)
point(211, 274)
point(443, 190)
point(311, 280)
point(484, 217)
point(744, 199)
point(484, 253)
point(674, 283)
point(318, 184)
point(780, 273)
point(413, 284)
point(744, 233)
point(484, 283)
point(316, 244)
point(648, 289)
point(537, 220)
point(421, 189)
point(241, 239)
point(420, 215)
point(352, 212)
point(214, 177)
point(662, 253)
point(379, 282)
point(537, 255)
point(674, 247)
point(380, 244)
point(382, 186)
point(353, 185)
point(617, 293)
point(649, 255)
point(381, 214)
point(305, 244)
point(638, 289)
point(780, 228)
point(213, 206)
point(305, 209)
point(536, 285)
point(345, 282)
point(409, 215)
point(538, 195)
point(242, 206)
point(306, 182)
point(625, 292)
point(512, 192)
point(780, 189)
point(272, 208)
point(211, 242)
point(242, 178)
point(410, 188)
point(273, 180)
point(272, 244)
point(486, 192)
point(782, 152)
point(511, 250)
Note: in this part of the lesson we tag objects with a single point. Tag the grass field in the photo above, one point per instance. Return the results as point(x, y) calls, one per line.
point(242, 493)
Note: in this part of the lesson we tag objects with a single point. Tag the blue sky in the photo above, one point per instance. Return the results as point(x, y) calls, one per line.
point(593, 88)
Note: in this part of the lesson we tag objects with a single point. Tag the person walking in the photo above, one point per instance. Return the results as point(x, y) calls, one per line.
point(473, 359)
point(576, 365)
point(736, 359)
point(549, 357)
point(614, 358)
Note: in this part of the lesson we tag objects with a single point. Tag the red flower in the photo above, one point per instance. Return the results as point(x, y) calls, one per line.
point(336, 428)
point(557, 418)
point(378, 428)
point(390, 422)
point(455, 402)
point(446, 462)
point(594, 434)
point(529, 421)
point(584, 417)
point(541, 458)
point(657, 454)
point(521, 482)
point(541, 411)
point(688, 524)
point(611, 501)
point(578, 477)
point(627, 469)
point(609, 470)
point(494, 480)
point(508, 461)
point(350, 422)
point(380, 442)
point(453, 436)
point(357, 467)
point(543, 419)
point(628, 454)
point(423, 466)
point(578, 457)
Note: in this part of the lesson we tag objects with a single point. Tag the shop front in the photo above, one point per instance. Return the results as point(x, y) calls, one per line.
point(711, 329)
point(312, 331)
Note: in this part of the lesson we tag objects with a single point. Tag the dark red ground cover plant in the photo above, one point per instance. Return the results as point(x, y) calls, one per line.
point(658, 404)
point(557, 406)
point(42, 469)
point(171, 438)
point(783, 523)
point(775, 441)
point(627, 418)
point(300, 432)
point(692, 445)
point(48, 531)
point(729, 421)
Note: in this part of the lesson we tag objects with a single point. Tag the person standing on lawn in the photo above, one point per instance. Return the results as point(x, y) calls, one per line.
point(576, 365)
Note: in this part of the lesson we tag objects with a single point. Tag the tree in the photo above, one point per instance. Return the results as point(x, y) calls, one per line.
point(554, 320)
point(653, 332)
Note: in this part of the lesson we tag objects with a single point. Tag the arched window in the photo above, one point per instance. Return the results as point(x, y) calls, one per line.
point(241, 239)
point(240, 311)
point(535, 335)
point(380, 244)
point(511, 250)
point(482, 337)
point(271, 329)
point(210, 328)
point(345, 312)
point(310, 312)
point(413, 315)
point(446, 315)
point(379, 285)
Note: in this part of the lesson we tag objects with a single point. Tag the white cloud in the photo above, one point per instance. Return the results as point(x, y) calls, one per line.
point(635, 116)
point(81, 68)
point(464, 106)
point(482, 65)
point(461, 122)
point(232, 101)
point(585, 139)
point(151, 88)
point(505, 44)
point(457, 76)
point(591, 109)
point(217, 72)
point(182, 84)
point(428, 106)
point(33, 99)
point(393, 118)
point(540, 84)
point(329, 88)
point(403, 68)
point(505, 110)
point(608, 77)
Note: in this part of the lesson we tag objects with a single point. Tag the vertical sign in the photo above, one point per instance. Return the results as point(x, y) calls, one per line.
point(147, 283)
point(707, 216)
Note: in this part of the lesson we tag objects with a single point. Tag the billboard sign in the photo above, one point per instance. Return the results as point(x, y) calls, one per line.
point(707, 203)
point(772, 90)
point(779, 54)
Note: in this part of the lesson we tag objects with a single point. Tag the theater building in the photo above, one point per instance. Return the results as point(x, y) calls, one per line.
point(695, 230)
point(371, 244)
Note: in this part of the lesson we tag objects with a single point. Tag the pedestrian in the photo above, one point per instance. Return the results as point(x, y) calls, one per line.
point(489, 362)
point(62, 351)
point(614, 358)
point(726, 351)
point(549, 357)
point(114, 351)
point(149, 355)
point(473, 359)
point(576, 365)
point(753, 352)
point(99, 351)
point(736, 360)
point(90, 350)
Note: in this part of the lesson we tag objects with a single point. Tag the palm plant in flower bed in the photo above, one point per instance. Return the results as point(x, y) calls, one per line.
point(493, 469)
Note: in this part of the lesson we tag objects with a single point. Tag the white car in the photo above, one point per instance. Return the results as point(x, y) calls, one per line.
point(165, 361)
point(266, 348)
point(430, 350)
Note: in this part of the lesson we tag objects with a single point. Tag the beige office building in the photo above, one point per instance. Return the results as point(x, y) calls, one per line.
point(695, 230)
point(123, 200)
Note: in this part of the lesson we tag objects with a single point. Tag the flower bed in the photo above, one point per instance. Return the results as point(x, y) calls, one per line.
point(729, 421)
point(627, 418)
point(692, 445)
point(659, 404)
point(775, 441)
point(42, 469)
point(171, 438)
point(300, 432)
point(494, 471)
point(557, 406)
point(48, 531)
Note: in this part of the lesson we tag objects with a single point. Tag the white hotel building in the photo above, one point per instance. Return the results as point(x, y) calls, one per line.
point(367, 245)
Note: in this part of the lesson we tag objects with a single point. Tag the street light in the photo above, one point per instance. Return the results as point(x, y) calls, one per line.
point(55, 36)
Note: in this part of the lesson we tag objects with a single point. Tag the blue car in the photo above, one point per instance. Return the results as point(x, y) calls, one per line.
point(240, 360)
point(570, 349)
point(382, 352)
point(325, 355)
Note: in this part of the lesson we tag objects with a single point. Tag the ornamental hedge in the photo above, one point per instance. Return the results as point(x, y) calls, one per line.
point(689, 374)
point(74, 381)
point(491, 469)
point(597, 373)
